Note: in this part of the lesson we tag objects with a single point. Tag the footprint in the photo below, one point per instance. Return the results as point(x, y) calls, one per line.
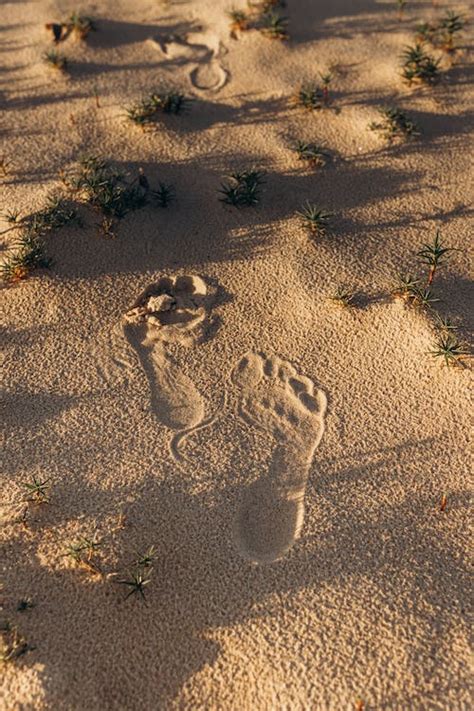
point(288, 407)
point(173, 310)
point(202, 49)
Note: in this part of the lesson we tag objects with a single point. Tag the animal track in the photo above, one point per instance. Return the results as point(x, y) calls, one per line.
point(173, 310)
point(286, 406)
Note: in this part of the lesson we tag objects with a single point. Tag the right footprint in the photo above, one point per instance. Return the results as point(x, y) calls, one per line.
point(288, 407)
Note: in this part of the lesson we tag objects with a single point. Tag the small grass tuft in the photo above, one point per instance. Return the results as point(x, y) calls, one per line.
point(450, 26)
point(13, 644)
point(145, 112)
point(274, 26)
point(136, 581)
point(309, 97)
point(343, 297)
point(37, 490)
point(243, 189)
point(418, 66)
point(314, 219)
point(394, 124)
point(312, 153)
point(55, 60)
point(449, 349)
point(164, 195)
point(27, 254)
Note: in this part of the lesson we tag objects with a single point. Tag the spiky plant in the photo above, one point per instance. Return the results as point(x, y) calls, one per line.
point(444, 324)
point(449, 349)
point(449, 27)
point(419, 66)
point(98, 184)
point(136, 581)
point(82, 553)
point(309, 97)
point(394, 124)
point(423, 297)
point(5, 165)
point(37, 490)
point(27, 254)
point(12, 217)
point(312, 153)
point(274, 26)
point(243, 188)
point(434, 256)
point(425, 32)
point(164, 195)
point(55, 60)
point(314, 219)
point(406, 287)
point(342, 296)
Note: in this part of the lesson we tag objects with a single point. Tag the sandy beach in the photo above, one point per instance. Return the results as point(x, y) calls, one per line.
point(236, 453)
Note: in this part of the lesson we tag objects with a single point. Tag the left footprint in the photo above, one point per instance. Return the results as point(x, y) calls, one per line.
point(173, 310)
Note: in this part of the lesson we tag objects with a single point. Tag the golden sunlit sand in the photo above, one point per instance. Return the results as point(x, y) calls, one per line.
point(236, 319)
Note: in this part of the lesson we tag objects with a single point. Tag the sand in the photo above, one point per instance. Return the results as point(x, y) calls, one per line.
point(189, 385)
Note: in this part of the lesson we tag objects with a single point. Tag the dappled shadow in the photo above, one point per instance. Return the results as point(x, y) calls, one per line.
point(199, 584)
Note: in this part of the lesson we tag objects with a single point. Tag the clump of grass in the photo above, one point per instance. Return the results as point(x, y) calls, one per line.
point(98, 184)
point(239, 21)
point(13, 644)
point(434, 256)
point(450, 26)
point(82, 552)
point(146, 111)
point(312, 153)
point(418, 66)
point(309, 97)
point(425, 32)
point(274, 26)
point(243, 188)
point(26, 255)
point(164, 195)
point(394, 124)
point(342, 297)
point(37, 490)
point(449, 349)
point(314, 219)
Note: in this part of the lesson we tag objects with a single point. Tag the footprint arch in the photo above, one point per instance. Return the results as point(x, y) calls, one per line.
point(289, 408)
